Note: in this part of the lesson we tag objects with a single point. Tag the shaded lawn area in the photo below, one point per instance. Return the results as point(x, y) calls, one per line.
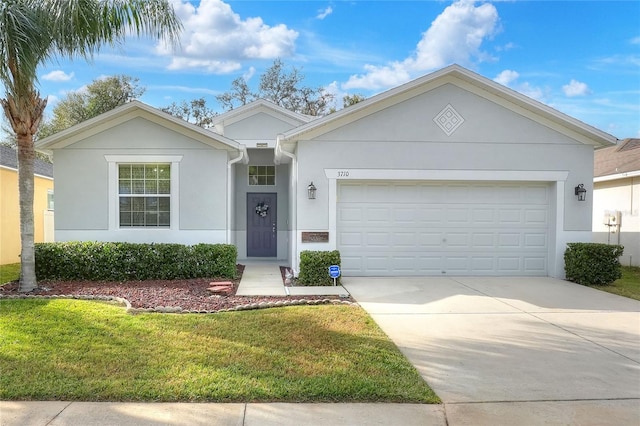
point(10, 272)
point(79, 350)
point(627, 286)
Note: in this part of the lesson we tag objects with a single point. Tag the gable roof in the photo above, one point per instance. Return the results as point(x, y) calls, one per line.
point(618, 161)
point(129, 111)
point(261, 105)
point(9, 159)
point(470, 81)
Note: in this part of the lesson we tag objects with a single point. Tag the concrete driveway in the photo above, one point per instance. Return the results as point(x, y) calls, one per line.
point(549, 350)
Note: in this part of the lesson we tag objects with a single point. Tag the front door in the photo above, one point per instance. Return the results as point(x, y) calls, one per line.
point(262, 224)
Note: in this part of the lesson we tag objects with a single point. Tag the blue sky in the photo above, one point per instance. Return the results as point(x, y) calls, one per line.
point(580, 57)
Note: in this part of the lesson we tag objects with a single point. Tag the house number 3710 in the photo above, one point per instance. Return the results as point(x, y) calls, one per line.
point(343, 173)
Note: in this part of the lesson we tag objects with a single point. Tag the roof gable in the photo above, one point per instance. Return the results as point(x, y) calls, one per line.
point(128, 112)
point(260, 106)
point(468, 81)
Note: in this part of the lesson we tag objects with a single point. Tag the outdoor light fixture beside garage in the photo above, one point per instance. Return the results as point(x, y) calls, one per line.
point(581, 192)
point(311, 191)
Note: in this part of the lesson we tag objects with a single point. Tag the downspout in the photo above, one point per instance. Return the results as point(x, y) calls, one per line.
point(230, 192)
point(293, 198)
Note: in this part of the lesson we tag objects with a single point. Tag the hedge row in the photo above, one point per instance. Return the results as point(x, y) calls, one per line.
point(314, 267)
point(592, 263)
point(104, 261)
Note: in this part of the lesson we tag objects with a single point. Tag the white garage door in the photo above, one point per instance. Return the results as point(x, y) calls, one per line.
point(443, 228)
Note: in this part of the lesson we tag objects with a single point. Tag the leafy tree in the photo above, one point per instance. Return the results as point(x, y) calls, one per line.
point(239, 95)
point(282, 87)
point(100, 96)
point(348, 100)
point(195, 111)
point(34, 32)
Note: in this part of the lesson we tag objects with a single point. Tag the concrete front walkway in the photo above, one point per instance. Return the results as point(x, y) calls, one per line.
point(514, 350)
point(263, 278)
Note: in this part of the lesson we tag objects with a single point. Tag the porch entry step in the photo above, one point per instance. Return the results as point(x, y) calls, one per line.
point(222, 287)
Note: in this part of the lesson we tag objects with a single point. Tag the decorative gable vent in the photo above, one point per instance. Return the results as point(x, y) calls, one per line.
point(448, 120)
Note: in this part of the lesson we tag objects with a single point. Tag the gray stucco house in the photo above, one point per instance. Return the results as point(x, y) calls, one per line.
point(449, 174)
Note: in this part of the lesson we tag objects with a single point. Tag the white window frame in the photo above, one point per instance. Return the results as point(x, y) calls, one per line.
point(275, 173)
point(114, 196)
point(50, 200)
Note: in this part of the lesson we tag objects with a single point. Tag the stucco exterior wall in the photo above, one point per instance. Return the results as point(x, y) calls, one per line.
point(82, 201)
point(257, 127)
point(10, 213)
point(622, 195)
point(492, 139)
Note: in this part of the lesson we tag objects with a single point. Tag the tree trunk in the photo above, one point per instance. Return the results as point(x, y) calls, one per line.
point(26, 156)
point(24, 114)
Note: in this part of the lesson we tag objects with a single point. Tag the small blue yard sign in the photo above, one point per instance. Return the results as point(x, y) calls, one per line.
point(334, 272)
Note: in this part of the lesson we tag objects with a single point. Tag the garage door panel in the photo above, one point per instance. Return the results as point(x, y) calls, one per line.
point(536, 264)
point(404, 239)
point(378, 239)
point(465, 228)
point(509, 264)
point(535, 240)
point(535, 217)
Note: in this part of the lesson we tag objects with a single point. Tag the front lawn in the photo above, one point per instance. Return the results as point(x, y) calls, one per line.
point(627, 286)
point(79, 350)
point(10, 272)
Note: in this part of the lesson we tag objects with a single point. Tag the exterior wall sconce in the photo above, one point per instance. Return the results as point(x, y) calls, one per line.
point(311, 191)
point(581, 192)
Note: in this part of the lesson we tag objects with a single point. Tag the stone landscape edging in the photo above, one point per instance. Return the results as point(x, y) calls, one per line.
point(178, 309)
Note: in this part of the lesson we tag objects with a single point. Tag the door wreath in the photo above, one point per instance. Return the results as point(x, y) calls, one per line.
point(262, 209)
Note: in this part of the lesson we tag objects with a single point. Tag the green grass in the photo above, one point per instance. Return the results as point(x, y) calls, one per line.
point(627, 286)
point(10, 272)
point(79, 350)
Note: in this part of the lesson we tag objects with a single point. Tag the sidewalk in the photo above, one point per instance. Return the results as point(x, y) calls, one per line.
point(20, 413)
point(263, 278)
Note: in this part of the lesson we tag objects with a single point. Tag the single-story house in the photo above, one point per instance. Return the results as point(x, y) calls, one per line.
point(616, 198)
point(449, 174)
point(10, 206)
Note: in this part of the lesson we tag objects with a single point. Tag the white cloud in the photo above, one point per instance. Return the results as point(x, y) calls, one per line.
point(323, 13)
point(510, 78)
point(455, 36)
point(506, 77)
point(575, 88)
point(249, 73)
point(216, 39)
point(635, 40)
point(57, 76)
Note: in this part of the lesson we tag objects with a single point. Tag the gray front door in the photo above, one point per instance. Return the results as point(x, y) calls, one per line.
point(262, 222)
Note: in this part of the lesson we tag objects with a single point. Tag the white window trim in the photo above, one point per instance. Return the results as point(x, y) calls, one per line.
point(114, 212)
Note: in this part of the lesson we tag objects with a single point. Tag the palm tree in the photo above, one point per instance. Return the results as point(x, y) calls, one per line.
point(34, 32)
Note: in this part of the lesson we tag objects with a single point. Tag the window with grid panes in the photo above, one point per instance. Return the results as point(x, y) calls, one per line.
point(262, 175)
point(144, 192)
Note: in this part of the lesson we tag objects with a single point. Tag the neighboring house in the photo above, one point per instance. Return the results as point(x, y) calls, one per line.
point(9, 204)
point(616, 198)
point(450, 174)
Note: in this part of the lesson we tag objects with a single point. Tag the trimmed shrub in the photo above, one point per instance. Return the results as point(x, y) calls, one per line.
point(592, 263)
point(314, 267)
point(106, 261)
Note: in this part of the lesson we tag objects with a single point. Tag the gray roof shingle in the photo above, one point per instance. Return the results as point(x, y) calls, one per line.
point(9, 158)
point(613, 160)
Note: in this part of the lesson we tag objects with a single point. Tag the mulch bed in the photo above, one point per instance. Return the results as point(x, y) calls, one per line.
point(187, 295)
